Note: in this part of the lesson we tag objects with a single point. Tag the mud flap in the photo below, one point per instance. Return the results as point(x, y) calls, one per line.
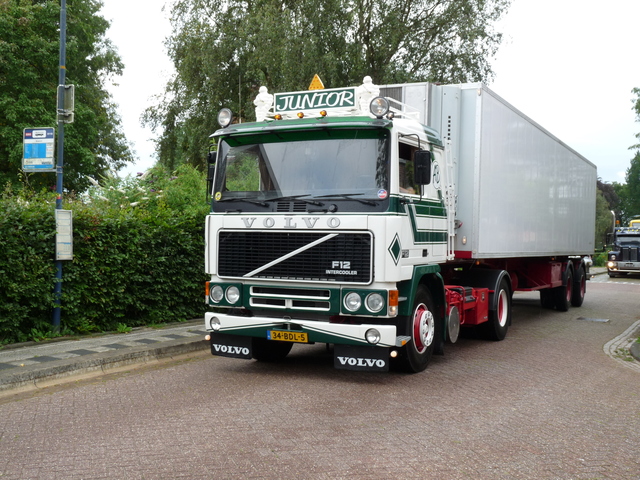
point(232, 346)
point(365, 359)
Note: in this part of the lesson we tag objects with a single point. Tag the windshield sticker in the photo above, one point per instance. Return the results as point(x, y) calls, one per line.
point(382, 194)
point(218, 196)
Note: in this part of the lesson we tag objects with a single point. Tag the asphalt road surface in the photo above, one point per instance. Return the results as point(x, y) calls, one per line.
point(554, 400)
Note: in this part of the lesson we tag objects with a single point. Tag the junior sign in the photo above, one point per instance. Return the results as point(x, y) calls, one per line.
point(38, 150)
point(334, 98)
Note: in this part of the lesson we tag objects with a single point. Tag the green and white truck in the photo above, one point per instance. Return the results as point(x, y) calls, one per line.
point(383, 220)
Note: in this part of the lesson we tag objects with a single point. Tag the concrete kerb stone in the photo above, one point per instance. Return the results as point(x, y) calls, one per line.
point(60, 371)
point(634, 349)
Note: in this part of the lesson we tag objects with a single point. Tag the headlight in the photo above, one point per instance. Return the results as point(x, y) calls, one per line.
point(352, 302)
point(225, 116)
point(613, 257)
point(233, 295)
point(372, 336)
point(379, 107)
point(214, 324)
point(217, 293)
point(611, 264)
point(374, 302)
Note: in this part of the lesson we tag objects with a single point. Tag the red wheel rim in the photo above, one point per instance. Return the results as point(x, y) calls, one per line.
point(503, 308)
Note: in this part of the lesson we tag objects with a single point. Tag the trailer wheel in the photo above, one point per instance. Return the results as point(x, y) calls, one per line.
point(423, 326)
point(265, 350)
point(547, 298)
point(579, 288)
point(500, 318)
point(564, 293)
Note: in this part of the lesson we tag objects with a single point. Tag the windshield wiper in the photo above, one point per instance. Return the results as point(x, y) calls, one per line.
point(240, 199)
point(296, 197)
point(348, 197)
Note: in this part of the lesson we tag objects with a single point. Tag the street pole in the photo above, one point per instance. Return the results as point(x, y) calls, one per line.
point(57, 293)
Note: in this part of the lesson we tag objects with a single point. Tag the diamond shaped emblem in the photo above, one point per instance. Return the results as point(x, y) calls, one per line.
point(395, 248)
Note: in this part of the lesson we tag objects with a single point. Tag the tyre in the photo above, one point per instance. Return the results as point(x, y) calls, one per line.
point(579, 287)
point(563, 293)
point(500, 318)
point(424, 328)
point(547, 298)
point(265, 350)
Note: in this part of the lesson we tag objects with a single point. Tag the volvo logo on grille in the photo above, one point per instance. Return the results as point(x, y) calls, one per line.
point(289, 222)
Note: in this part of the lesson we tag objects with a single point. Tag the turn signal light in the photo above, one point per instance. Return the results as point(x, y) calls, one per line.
point(393, 298)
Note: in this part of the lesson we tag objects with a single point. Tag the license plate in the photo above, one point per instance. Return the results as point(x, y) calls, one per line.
point(288, 336)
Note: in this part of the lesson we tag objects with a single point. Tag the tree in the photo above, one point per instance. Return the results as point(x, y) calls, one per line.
point(607, 201)
point(224, 51)
point(29, 65)
point(629, 193)
point(631, 196)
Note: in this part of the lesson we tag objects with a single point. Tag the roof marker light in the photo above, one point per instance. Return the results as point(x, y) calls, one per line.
point(300, 114)
point(225, 117)
point(379, 107)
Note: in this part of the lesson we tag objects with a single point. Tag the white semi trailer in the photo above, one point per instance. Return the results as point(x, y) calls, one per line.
point(382, 220)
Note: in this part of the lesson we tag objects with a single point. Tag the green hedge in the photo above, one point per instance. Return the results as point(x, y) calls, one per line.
point(138, 249)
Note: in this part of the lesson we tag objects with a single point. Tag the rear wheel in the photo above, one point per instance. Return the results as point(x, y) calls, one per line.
point(579, 288)
point(270, 350)
point(547, 298)
point(423, 326)
point(500, 318)
point(563, 293)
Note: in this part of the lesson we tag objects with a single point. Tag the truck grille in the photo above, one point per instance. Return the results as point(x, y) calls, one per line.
point(629, 254)
point(337, 257)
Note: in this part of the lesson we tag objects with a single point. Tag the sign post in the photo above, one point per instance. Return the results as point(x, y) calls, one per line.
point(57, 292)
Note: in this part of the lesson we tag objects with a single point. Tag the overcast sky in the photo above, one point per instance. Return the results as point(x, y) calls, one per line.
point(566, 64)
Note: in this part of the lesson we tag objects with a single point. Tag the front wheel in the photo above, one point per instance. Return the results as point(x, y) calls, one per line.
point(500, 318)
point(423, 326)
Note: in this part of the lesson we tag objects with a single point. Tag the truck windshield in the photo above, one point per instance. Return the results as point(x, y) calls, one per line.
point(348, 163)
point(629, 240)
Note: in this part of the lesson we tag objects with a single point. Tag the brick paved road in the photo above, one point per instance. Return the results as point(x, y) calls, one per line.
point(546, 403)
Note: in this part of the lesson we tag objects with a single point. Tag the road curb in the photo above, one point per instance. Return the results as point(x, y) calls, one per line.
point(634, 349)
point(60, 371)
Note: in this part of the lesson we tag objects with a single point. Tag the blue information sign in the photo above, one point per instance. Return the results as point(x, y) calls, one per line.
point(38, 150)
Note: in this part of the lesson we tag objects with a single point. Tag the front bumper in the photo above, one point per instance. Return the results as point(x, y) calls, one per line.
point(623, 267)
point(318, 331)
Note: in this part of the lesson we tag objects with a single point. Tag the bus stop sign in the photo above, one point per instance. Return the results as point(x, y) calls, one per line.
point(38, 150)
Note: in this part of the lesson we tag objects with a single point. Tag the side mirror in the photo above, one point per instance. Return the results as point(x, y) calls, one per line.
point(422, 167)
point(211, 170)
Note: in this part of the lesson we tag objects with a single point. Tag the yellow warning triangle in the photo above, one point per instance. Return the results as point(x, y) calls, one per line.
point(316, 83)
